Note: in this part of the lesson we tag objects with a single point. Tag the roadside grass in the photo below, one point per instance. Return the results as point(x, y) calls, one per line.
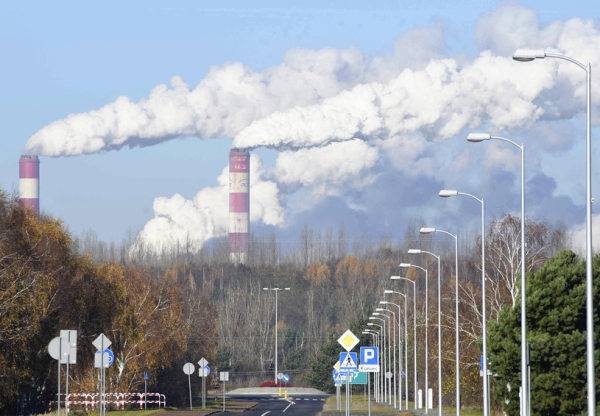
point(359, 404)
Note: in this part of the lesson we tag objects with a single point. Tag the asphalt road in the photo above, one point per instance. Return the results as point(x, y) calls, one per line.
point(299, 405)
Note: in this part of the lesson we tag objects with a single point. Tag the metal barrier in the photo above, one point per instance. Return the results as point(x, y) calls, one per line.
point(120, 399)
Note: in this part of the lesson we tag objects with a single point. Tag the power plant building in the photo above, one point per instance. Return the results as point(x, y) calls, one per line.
point(239, 204)
point(29, 182)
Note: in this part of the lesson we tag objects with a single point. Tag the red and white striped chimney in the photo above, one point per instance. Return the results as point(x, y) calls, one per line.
point(239, 204)
point(29, 182)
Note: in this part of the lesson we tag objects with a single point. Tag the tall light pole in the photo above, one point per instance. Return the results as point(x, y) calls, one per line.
point(526, 55)
point(414, 330)
point(389, 350)
point(439, 296)
point(426, 333)
point(479, 137)
point(276, 289)
point(426, 230)
point(375, 335)
point(445, 193)
point(393, 321)
point(382, 342)
point(401, 347)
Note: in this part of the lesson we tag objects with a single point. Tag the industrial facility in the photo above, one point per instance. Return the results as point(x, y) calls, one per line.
point(239, 204)
point(29, 182)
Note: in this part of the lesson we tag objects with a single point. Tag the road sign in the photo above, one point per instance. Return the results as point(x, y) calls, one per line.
point(146, 375)
point(204, 371)
point(358, 377)
point(101, 342)
point(71, 336)
point(110, 358)
point(279, 376)
point(369, 359)
point(59, 348)
point(224, 376)
point(188, 368)
point(285, 378)
point(336, 366)
point(348, 340)
point(389, 375)
point(202, 362)
point(99, 359)
point(348, 361)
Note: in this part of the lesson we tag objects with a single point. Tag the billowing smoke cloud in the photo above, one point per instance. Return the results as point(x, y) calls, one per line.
point(338, 118)
point(193, 222)
point(224, 102)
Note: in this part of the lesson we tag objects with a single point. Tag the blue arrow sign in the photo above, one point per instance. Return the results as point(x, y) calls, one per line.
point(285, 378)
point(111, 356)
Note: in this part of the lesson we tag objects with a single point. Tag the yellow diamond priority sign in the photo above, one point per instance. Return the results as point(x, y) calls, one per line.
point(348, 340)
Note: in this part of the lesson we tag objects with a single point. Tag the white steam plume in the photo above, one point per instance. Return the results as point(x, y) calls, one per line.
point(224, 102)
point(178, 221)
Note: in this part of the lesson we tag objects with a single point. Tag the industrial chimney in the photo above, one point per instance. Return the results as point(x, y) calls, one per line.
point(29, 182)
point(239, 204)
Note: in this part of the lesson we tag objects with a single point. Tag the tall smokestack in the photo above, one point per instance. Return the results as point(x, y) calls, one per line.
point(239, 204)
point(29, 182)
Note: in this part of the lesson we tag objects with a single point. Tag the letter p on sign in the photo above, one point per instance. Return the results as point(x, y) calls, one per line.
point(369, 355)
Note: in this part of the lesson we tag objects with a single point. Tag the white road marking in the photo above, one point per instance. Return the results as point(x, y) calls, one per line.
point(265, 413)
point(290, 403)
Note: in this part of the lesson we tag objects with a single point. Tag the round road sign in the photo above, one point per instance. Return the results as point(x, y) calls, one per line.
point(188, 368)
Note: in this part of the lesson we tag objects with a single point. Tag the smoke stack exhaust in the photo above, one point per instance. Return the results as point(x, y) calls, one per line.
point(29, 183)
point(239, 204)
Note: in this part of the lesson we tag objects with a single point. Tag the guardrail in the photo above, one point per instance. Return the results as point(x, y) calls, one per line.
point(119, 400)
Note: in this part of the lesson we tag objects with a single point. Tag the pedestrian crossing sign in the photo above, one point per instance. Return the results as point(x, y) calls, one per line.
point(348, 361)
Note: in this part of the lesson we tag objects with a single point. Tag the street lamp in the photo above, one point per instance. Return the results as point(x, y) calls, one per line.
point(439, 296)
point(394, 350)
point(382, 381)
point(525, 55)
point(426, 230)
point(479, 137)
point(426, 334)
point(276, 289)
point(400, 346)
point(389, 352)
point(445, 193)
point(414, 334)
point(375, 335)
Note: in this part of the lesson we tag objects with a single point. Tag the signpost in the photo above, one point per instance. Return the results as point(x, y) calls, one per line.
point(102, 343)
point(58, 349)
point(71, 358)
point(204, 371)
point(224, 376)
point(348, 340)
point(188, 368)
point(146, 378)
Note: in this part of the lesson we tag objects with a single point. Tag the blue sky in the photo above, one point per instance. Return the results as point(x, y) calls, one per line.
point(64, 58)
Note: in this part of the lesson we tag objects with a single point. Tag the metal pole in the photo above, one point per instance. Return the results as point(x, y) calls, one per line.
point(486, 405)
point(457, 335)
point(276, 321)
point(439, 339)
point(591, 383)
point(59, 358)
point(426, 344)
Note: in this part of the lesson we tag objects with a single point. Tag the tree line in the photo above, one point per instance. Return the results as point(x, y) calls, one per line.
point(162, 309)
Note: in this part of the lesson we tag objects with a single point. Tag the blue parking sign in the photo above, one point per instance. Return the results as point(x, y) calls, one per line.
point(369, 355)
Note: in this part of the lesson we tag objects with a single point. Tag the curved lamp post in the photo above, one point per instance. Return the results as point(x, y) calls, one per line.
point(383, 349)
point(391, 323)
point(439, 296)
point(426, 333)
point(526, 55)
point(445, 193)
point(479, 137)
point(276, 289)
point(426, 230)
point(389, 351)
point(375, 335)
point(400, 347)
point(414, 337)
